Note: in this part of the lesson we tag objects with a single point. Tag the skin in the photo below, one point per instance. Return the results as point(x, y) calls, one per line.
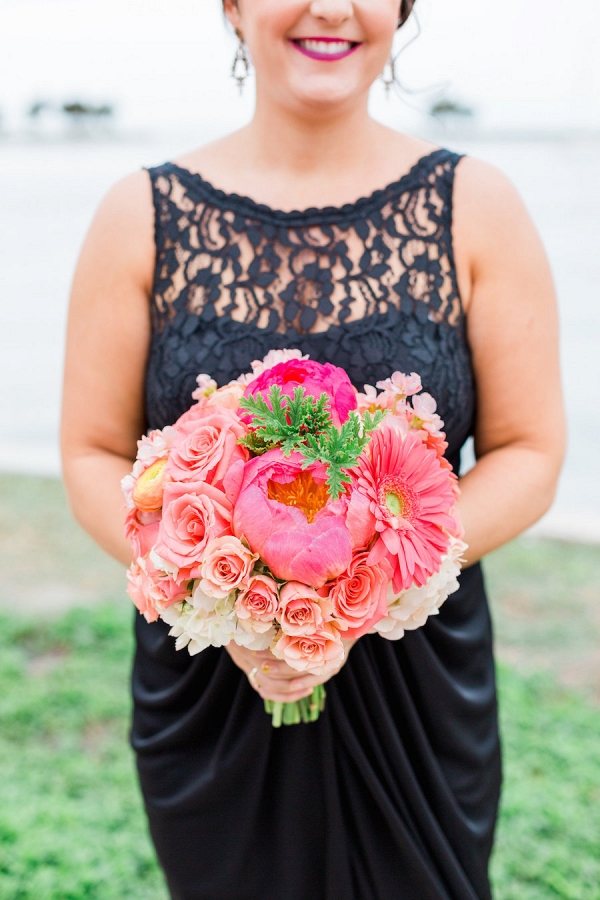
point(312, 143)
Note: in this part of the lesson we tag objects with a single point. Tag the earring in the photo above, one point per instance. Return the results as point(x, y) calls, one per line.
point(241, 63)
point(388, 76)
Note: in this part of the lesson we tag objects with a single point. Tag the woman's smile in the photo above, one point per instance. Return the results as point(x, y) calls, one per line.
point(327, 49)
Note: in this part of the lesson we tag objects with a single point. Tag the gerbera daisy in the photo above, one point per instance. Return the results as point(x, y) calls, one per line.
point(410, 494)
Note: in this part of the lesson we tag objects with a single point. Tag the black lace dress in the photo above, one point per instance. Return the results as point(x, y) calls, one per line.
point(393, 793)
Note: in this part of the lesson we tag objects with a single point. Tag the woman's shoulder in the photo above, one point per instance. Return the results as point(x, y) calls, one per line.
point(121, 234)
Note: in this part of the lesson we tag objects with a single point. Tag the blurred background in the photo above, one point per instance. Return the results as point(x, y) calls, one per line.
point(93, 89)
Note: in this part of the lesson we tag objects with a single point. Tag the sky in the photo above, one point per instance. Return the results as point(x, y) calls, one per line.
point(165, 64)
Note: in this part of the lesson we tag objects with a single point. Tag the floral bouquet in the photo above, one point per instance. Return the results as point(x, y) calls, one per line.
point(288, 511)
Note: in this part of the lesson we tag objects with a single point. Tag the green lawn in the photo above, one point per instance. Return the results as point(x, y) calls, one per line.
point(71, 823)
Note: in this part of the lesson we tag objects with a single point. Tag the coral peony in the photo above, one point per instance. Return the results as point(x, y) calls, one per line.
point(282, 512)
point(359, 596)
point(411, 497)
point(315, 378)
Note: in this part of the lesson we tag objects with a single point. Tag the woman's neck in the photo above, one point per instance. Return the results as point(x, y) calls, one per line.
point(280, 140)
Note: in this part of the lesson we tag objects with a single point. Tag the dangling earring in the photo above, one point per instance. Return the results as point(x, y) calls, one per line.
point(388, 76)
point(241, 63)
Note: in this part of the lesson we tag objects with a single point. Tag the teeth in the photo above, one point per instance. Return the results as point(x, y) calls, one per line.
point(326, 47)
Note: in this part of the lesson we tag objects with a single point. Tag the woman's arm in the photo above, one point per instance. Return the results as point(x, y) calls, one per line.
point(512, 321)
point(107, 346)
point(103, 409)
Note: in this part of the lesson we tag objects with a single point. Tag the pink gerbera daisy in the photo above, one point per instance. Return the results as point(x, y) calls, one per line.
point(411, 497)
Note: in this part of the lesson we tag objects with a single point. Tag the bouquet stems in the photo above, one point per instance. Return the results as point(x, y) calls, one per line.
point(306, 710)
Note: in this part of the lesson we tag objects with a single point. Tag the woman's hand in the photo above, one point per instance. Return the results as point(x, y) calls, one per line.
point(274, 679)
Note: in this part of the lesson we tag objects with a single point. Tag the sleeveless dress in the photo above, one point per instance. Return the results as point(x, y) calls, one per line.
point(393, 793)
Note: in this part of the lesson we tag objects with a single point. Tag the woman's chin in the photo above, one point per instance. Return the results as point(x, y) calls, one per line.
point(324, 94)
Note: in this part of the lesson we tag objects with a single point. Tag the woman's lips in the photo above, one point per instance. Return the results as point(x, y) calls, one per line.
point(325, 49)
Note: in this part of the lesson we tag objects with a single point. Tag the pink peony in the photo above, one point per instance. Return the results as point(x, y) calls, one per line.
point(273, 358)
point(319, 653)
point(206, 445)
point(315, 378)
point(301, 609)
point(226, 565)
point(411, 497)
point(359, 596)
point(193, 514)
point(257, 604)
point(282, 512)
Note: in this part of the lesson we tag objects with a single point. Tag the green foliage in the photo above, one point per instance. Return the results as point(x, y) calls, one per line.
point(304, 424)
point(549, 828)
point(71, 820)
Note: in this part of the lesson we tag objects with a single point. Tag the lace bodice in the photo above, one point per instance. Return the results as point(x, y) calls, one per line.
point(369, 286)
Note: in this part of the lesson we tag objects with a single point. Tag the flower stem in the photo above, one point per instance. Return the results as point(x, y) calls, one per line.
point(305, 710)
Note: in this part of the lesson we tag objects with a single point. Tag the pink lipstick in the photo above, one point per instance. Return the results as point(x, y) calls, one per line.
point(325, 49)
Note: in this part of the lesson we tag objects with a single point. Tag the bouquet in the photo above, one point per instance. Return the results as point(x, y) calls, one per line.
point(288, 511)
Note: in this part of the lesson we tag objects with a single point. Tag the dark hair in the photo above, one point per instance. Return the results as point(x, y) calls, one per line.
point(406, 7)
point(405, 10)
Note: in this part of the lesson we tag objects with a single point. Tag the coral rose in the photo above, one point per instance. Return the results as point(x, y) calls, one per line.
point(282, 512)
point(301, 609)
point(141, 530)
point(226, 564)
point(193, 514)
point(320, 653)
point(257, 604)
point(315, 378)
point(359, 596)
point(206, 445)
point(151, 590)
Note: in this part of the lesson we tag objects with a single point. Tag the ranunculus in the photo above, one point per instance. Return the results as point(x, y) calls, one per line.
point(321, 653)
point(301, 609)
point(151, 447)
point(359, 596)
point(148, 490)
point(193, 514)
point(282, 513)
point(206, 445)
point(257, 603)
point(315, 378)
point(226, 565)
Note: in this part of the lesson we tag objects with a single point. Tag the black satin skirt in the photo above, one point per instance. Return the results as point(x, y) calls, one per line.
point(391, 795)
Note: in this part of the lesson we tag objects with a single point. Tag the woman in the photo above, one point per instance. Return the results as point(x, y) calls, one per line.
point(393, 793)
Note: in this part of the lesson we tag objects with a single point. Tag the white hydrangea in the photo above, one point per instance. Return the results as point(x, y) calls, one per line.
point(412, 608)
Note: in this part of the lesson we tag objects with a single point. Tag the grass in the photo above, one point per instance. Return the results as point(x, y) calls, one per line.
point(71, 820)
